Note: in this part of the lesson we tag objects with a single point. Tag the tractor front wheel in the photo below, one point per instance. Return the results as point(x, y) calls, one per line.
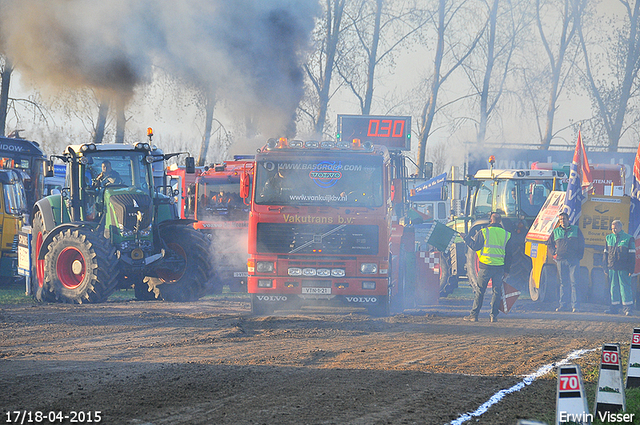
point(38, 289)
point(187, 266)
point(80, 267)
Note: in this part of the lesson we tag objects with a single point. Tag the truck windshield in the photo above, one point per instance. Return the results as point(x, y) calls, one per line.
point(338, 183)
point(522, 196)
point(14, 198)
point(219, 200)
point(116, 168)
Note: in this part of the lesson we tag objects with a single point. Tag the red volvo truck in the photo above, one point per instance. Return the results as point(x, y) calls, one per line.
point(321, 218)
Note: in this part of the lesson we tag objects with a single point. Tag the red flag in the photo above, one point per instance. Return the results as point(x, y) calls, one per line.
point(580, 158)
point(509, 297)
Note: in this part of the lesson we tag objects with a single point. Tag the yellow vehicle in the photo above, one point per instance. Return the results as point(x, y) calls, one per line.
point(13, 205)
point(598, 212)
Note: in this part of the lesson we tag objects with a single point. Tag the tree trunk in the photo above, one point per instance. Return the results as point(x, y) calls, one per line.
point(429, 110)
point(120, 120)
point(484, 96)
point(373, 58)
point(208, 125)
point(101, 122)
point(4, 94)
point(630, 73)
point(333, 35)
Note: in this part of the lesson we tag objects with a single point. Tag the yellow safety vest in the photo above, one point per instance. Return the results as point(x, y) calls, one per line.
point(495, 242)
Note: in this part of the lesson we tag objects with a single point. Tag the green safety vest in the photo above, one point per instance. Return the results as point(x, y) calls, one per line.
point(560, 233)
point(495, 242)
point(623, 239)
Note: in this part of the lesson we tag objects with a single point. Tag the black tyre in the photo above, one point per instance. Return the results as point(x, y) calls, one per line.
point(381, 308)
point(397, 300)
point(81, 267)
point(546, 291)
point(186, 269)
point(261, 308)
point(520, 269)
point(140, 287)
point(472, 269)
point(448, 282)
point(600, 292)
point(39, 290)
point(582, 285)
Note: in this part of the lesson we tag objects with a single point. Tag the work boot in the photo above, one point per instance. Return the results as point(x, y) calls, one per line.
point(493, 319)
point(627, 311)
point(470, 318)
point(562, 308)
point(612, 310)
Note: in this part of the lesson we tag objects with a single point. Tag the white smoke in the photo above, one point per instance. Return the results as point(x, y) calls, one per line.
point(247, 52)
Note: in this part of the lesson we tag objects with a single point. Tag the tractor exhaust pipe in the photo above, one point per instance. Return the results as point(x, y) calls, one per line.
point(75, 186)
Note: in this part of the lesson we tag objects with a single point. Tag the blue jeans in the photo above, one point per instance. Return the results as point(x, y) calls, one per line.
point(568, 274)
point(495, 274)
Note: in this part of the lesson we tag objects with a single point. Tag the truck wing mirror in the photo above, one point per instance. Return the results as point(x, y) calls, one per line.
point(396, 191)
point(190, 165)
point(47, 168)
point(428, 170)
point(245, 183)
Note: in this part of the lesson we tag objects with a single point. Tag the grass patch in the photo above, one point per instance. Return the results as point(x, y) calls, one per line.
point(14, 293)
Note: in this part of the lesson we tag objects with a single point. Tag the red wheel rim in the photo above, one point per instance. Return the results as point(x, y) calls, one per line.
point(39, 262)
point(70, 267)
point(170, 275)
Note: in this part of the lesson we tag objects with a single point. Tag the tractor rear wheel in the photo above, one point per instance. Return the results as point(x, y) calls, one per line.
point(186, 268)
point(39, 290)
point(80, 267)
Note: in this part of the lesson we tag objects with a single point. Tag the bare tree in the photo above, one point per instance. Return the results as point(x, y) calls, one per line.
point(319, 69)
point(569, 13)
point(210, 103)
point(378, 29)
point(612, 94)
point(456, 52)
point(491, 63)
point(5, 73)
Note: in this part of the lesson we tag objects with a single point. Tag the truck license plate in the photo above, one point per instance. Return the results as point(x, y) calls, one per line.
point(316, 291)
point(240, 274)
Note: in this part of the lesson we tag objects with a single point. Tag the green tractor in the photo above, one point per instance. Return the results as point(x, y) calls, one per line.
point(110, 228)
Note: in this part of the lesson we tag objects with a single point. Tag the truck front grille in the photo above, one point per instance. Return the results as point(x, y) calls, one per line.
point(345, 239)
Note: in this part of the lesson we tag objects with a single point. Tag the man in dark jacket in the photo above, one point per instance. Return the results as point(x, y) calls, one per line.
point(566, 245)
point(620, 260)
point(494, 249)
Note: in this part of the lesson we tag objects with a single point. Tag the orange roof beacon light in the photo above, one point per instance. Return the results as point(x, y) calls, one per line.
point(149, 133)
point(492, 160)
point(356, 144)
point(283, 143)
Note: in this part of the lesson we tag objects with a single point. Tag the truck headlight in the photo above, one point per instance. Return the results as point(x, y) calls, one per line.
point(265, 283)
point(338, 272)
point(323, 272)
point(294, 271)
point(265, 267)
point(368, 268)
point(308, 272)
point(368, 285)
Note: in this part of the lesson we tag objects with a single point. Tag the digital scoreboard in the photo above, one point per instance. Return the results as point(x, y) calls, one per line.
point(394, 132)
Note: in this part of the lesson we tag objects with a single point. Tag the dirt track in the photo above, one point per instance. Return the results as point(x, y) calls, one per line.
point(210, 362)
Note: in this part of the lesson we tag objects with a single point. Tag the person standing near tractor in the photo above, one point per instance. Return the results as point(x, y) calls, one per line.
point(492, 243)
point(619, 260)
point(566, 245)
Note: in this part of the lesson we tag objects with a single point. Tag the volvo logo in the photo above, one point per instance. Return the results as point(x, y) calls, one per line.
point(361, 299)
point(271, 297)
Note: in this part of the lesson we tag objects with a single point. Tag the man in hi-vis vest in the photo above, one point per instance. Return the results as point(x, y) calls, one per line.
point(492, 244)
